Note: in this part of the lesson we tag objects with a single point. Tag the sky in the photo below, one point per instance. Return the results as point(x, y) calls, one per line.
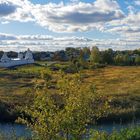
point(50, 25)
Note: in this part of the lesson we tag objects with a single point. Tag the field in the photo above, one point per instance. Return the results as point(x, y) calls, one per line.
point(120, 84)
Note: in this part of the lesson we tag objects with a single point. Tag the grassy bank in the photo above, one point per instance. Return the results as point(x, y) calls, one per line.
point(119, 84)
point(124, 134)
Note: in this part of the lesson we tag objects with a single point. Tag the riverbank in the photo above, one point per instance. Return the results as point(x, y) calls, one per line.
point(13, 130)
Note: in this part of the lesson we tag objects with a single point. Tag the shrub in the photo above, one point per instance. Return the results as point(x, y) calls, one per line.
point(124, 134)
point(97, 65)
point(45, 74)
point(67, 113)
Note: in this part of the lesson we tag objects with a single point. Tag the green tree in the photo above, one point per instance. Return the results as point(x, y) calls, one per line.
point(65, 114)
point(137, 60)
point(107, 56)
point(95, 55)
point(126, 59)
point(82, 59)
point(118, 59)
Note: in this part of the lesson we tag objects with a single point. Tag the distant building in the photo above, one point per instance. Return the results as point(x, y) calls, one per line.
point(6, 62)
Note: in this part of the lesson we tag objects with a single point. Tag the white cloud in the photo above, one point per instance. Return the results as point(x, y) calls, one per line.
point(16, 10)
point(71, 17)
point(51, 43)
point(5, 22)
point(76, 17)
point(7, 37)
point(137, 2)
point(40, 42)
point(103, 15)
point(128, 26)
point(107, 5)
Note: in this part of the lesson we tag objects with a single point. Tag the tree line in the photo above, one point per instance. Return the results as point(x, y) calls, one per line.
point(108, 57)
point(111, 57)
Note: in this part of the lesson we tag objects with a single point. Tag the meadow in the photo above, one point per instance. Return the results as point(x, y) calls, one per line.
point(121, 84)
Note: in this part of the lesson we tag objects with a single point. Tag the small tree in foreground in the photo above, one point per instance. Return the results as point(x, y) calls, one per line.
point(64, 114)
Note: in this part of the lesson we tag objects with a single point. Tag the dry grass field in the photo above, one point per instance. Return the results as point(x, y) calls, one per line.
point(120, 84)
point(115, 80)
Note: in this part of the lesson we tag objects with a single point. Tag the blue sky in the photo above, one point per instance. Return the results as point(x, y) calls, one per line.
point(106, 23)
point(19, 28)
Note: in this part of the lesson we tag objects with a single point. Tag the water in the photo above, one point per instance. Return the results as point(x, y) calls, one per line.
point(22, 131)
point(115, 126)
point(10, 129)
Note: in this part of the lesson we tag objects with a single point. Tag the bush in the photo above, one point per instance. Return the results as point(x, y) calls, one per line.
point(97, 65)
point(66, 113)
point(71, 70)
point(124, 134)
point(45, 74)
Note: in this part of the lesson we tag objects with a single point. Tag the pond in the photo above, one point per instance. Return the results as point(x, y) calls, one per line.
point(21, 130)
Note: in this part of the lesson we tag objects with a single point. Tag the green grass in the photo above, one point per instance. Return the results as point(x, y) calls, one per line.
point(124, 134)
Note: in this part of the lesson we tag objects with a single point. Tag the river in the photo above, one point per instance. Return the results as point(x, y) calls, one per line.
point(21, 130)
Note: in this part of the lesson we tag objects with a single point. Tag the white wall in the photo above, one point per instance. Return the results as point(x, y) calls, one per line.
point(12, 63)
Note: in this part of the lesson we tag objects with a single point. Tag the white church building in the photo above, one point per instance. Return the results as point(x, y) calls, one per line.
point(7, 62)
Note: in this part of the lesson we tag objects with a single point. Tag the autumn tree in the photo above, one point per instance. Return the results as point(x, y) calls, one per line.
point(65, 113)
